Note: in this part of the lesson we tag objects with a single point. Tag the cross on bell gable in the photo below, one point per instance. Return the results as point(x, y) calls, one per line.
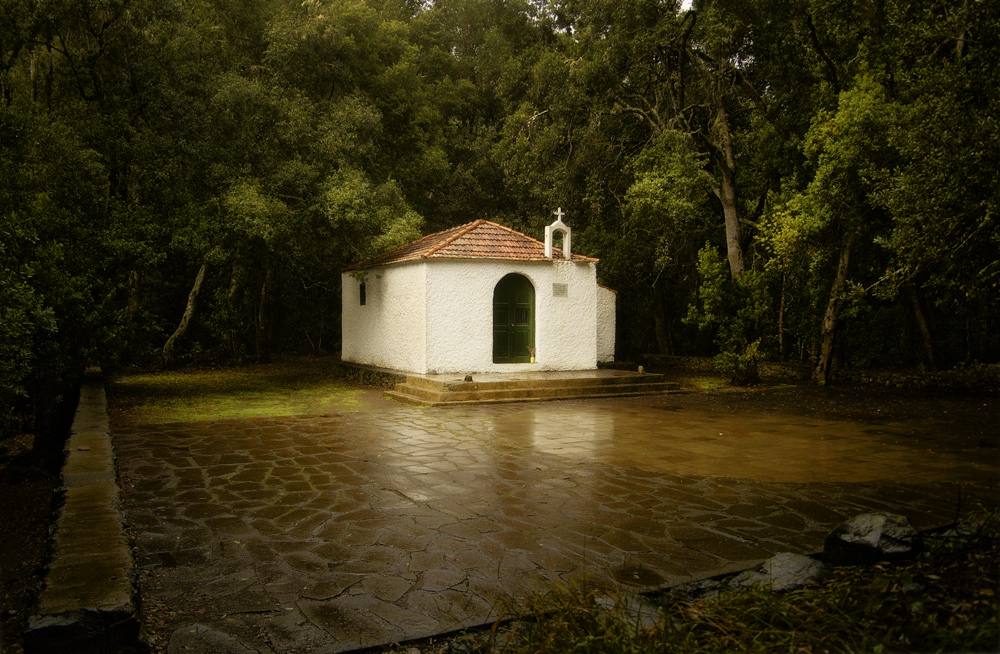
point(558, 226)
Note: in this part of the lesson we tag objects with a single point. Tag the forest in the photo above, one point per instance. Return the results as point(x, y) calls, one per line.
point(182, 181)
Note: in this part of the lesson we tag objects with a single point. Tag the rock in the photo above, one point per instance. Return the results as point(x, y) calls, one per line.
point(474, 642)
point(635, 610)
point(782, 571)
point(507, 638)
point(702, 589)
point(199, 639)
point(487, 641)
point(872, 537)
point(965, 529)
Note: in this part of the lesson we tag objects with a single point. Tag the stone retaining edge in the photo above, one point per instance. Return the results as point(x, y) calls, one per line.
point(87, 604)
point(370, 376)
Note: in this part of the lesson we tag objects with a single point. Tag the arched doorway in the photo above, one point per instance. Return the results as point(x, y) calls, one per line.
point(513, 320)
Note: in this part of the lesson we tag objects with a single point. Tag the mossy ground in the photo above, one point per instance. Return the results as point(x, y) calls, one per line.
point(289, 386)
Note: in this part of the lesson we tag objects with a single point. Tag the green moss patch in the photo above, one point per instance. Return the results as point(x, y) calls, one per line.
point(288, 387)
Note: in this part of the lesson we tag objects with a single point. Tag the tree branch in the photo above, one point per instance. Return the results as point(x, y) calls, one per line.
point(830, 66)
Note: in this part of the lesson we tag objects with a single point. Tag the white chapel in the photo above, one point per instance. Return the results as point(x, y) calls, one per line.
point(478, 298)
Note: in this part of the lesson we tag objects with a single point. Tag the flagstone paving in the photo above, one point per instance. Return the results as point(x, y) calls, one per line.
point(326, 534)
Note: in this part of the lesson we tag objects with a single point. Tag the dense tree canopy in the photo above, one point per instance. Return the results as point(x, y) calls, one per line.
point(809, 180)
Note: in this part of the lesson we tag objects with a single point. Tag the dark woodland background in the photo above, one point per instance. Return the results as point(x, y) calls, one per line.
point(182, 181)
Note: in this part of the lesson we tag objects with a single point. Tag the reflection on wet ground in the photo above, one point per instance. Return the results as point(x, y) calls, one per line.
point(339, 532)
point(665, 435)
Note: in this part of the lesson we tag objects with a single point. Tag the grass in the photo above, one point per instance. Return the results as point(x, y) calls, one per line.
point(287, 387)
point(944, 601)
point(707, 383)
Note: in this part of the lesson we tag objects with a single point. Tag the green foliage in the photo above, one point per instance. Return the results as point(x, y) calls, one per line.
point(742, 367)
point(25, 323)
point(353, 206)
point(736, 310)
point(280, 142)
point(850, 158)
point(973, 377)
point(715, 293)
point(943, 195)
point(51, 287)
point(664, 202)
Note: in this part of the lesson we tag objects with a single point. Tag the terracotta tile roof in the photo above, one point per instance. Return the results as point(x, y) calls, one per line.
point(481, 239)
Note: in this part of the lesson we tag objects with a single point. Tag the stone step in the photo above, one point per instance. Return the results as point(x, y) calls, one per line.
point(513, 393)
point(421, 386)
point(443, 383)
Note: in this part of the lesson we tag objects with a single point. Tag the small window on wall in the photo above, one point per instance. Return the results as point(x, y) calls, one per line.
point(363, 292)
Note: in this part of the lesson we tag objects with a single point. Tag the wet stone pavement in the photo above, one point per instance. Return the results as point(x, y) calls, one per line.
point(326, 534)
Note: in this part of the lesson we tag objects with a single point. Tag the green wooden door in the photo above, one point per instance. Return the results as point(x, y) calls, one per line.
point(513, 320)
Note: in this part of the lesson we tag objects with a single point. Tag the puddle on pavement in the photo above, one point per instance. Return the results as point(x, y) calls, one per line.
point(730, 437)
point(637, 575)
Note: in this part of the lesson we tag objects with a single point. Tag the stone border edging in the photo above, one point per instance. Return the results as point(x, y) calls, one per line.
point(87, 604)
point(370, 376)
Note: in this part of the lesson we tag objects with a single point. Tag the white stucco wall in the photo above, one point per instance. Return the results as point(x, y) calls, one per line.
point(566, 332)
point(460, 315)
point(389, 331)
point(436, 316)
point(606, 299)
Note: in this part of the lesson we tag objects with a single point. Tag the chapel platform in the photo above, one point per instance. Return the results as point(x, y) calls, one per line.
point(491, 388)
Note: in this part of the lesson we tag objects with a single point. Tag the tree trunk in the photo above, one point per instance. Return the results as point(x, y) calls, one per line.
point(727, 195)
point(263, 340)
point(925, 332)
point(968, 338)
point(235, 284)
point(132, 307)
point(663, 341)
point(32, 71)
point(189, 311)
point(727, 192)
point(822, 373)
point(133, 347)
point(781, 321)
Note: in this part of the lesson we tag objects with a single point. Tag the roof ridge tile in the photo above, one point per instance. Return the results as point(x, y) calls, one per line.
point(479, 239)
